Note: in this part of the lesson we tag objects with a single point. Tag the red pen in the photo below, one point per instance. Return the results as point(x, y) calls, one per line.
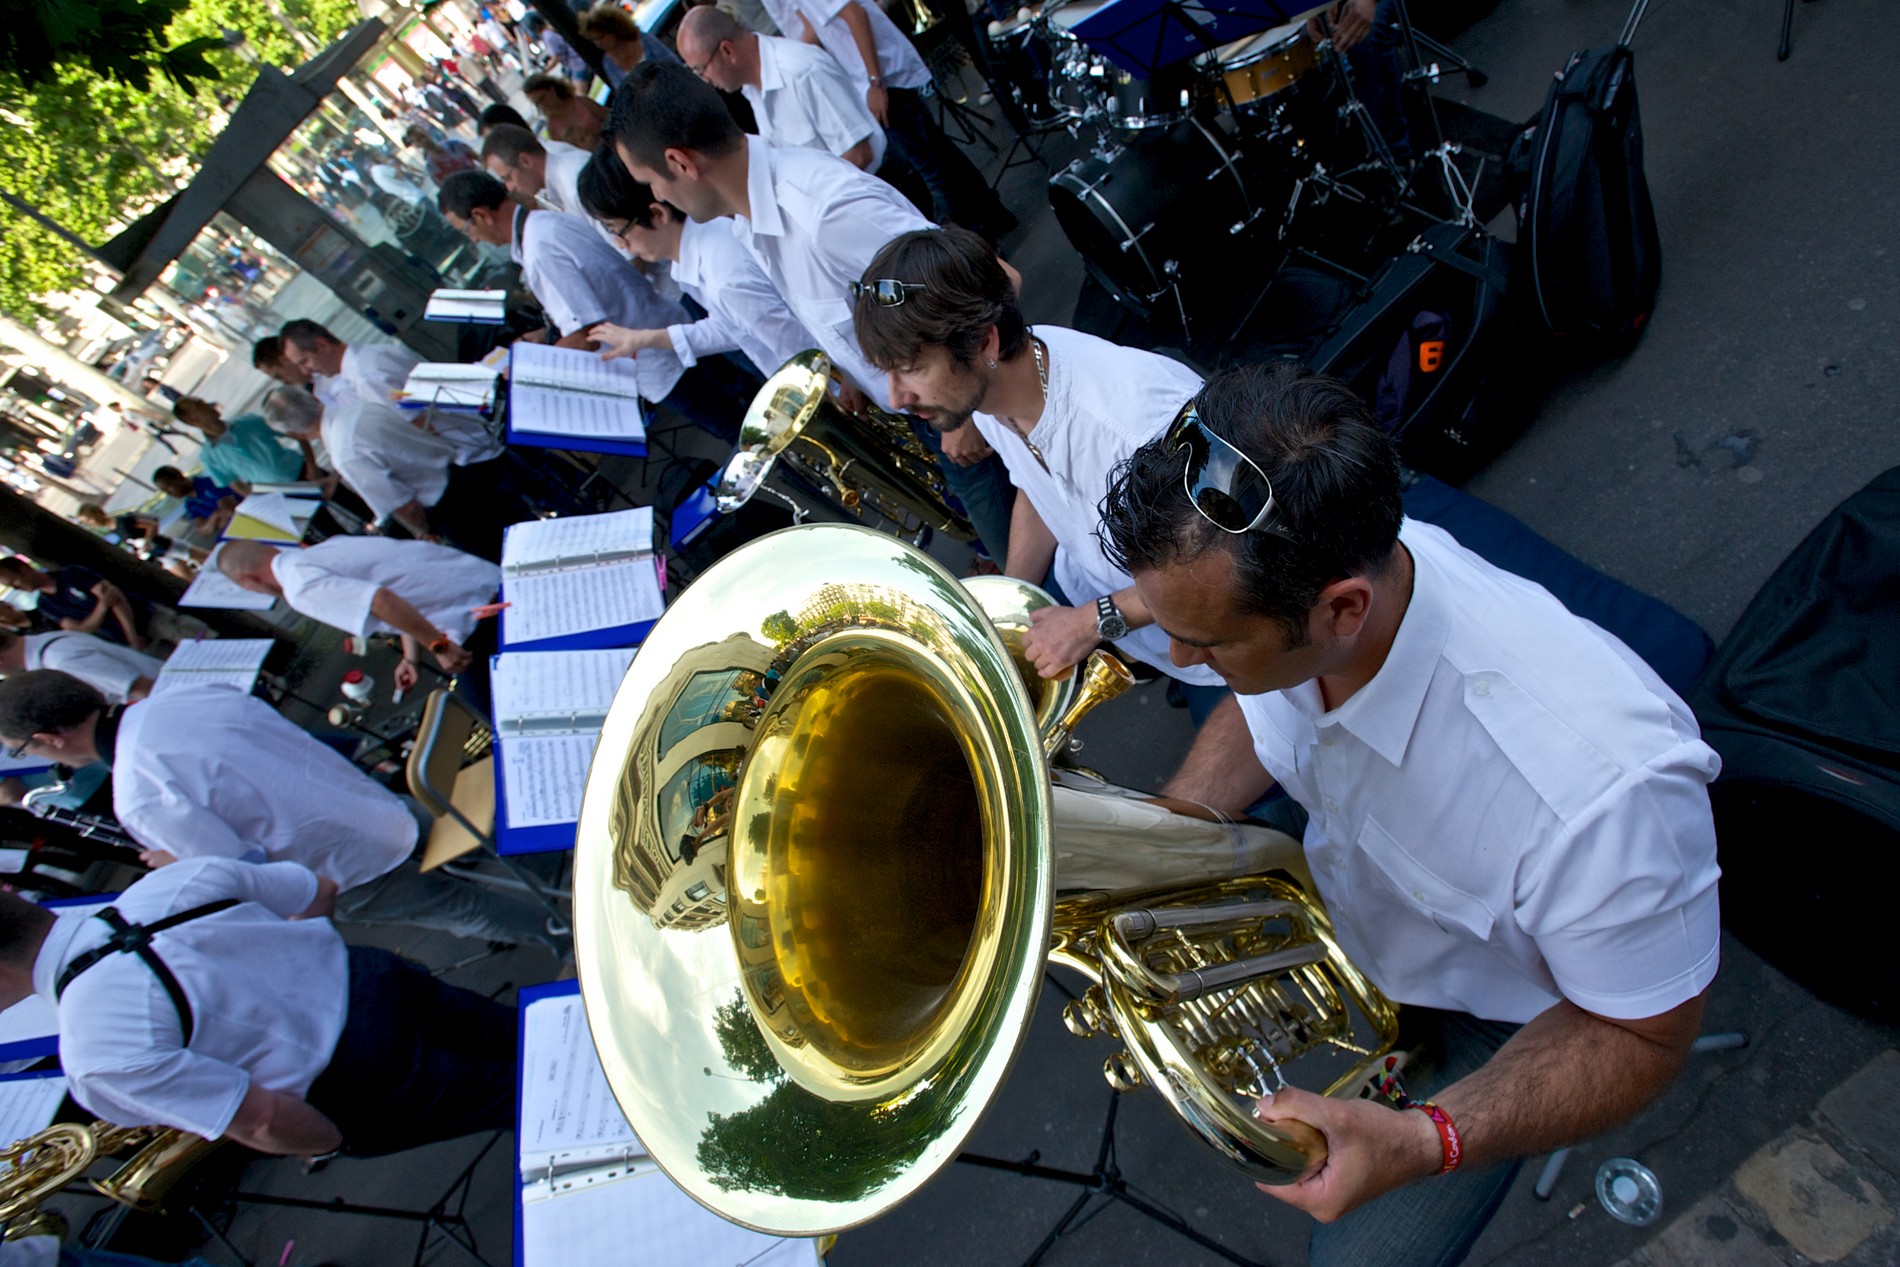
point(488, 609)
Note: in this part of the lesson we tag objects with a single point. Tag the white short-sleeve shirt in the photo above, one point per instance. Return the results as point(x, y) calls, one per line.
point(744, 310)
point(897, 58)
point(377, 371)
point(269, 997)
point(815, 224)
point(107, 667)
point(805, 101)
point(336, 580)
point(387, 459)
point(579, 280)
point(329, 389)
point(1105, 401)
point(560, 190)
point(214, 771)
point(1513, 811)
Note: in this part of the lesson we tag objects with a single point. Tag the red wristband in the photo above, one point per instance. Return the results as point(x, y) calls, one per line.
point(1454, 1149)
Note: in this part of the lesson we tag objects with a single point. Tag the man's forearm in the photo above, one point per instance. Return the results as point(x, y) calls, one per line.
point(1032, 547)
point(401, 615)
point(1221, 770)
point(1565, 1076)
point(273, 1122)
point(412, 516)
point(860, 25)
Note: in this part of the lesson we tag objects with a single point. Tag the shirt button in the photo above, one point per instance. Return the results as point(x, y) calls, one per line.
point(1481, 687)
point(1332, 806)
point(1418, 895)
point(1325, 741)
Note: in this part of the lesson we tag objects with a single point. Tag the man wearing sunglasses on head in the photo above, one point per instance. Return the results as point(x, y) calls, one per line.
point(1060, 407)
point(1505, 810)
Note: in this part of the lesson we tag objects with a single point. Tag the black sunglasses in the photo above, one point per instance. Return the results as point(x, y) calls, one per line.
point(886, 292)
point(1226, 486)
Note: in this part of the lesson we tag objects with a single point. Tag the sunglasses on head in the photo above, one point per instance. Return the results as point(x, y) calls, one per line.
point(1225, 485)
point(885, 292)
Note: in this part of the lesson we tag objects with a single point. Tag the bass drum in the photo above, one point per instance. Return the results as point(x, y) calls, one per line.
point(1162, 211)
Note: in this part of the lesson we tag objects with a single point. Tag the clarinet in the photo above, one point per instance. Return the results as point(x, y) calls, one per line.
point(91, 826)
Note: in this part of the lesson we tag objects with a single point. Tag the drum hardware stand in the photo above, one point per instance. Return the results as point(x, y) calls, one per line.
point(1454, 63)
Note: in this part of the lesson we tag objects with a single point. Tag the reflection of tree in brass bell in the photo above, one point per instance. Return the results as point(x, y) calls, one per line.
point(779, 628)
point(776, 1145)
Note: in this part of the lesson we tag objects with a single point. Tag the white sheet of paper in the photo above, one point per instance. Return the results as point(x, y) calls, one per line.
point(644, 1219)
point(547, 411)
point(566, 1106)
point(33, 1017)
point(572, 369)
point(28, 1104)
point(275, 512)
point(546, 775)
point(577, 537)
point(554, 604)
point(211, 588)
point(219, 655)
point(548, 684)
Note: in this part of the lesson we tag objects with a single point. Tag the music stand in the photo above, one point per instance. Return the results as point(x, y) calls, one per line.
point(1143, 36)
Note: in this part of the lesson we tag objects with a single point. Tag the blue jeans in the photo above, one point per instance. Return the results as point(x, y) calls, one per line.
point(984, 489)
point(1378, 77)
point(1430, 1222)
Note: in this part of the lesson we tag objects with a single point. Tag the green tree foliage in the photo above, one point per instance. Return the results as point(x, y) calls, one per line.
point(105, 106)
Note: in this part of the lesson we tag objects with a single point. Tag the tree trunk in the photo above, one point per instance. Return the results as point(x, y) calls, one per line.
point(28, 528)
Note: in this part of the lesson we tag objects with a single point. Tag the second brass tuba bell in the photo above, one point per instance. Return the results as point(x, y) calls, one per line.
point(822, 861)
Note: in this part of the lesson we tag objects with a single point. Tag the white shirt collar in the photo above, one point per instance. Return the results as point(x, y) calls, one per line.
point(765, 218)
point(1384, 712)
point(770, 78)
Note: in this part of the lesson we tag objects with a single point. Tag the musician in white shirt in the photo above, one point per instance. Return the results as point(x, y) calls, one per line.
point(581, 282)
point(371, 371)
point(800, 96)
point(744, 311)
point(811, 220)
point(251, 1020)
point(213, 771)
point(119, 673)
point(427, 594)
point(539, 173)
point(406, 473)
point(1060, 407)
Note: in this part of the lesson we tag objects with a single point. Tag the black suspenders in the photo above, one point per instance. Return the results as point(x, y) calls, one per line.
point(137, 939)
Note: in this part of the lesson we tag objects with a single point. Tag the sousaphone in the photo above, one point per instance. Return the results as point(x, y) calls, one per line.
point(823, 859)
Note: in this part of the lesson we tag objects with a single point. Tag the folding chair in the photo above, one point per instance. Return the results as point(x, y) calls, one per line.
point(452, 775)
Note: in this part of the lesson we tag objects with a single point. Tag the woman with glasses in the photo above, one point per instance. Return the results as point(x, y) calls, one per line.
point(1061, 408)
point(1504, 808)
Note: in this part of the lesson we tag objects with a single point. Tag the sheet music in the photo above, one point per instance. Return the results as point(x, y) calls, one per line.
point(466, 305)
point(555, 604)
point(567, 1108)
point(594, 1225)
point(28, 1104)
point(546, 776)
point(581, 538)
point(212, 588)
point(219, 655)
point(269, 517)
point(33, 1017)
point(551, 684)
point(297, 488)
point(568, 413)
point(572, 370)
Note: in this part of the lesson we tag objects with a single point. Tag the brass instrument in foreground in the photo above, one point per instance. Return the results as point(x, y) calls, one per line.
point(874, 464)
point(822, 860)
point(36, 1167)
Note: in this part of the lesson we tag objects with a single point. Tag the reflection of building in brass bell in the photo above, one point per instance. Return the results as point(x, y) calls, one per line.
point(1630, 1191)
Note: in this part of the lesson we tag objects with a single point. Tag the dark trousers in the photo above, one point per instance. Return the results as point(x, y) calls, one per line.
point(479, 503)
point(957, 189)
point(419, 1061)
point(714, 396)
point(1379, 78)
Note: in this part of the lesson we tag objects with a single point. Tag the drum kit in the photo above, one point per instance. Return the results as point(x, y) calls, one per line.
point(1216, 158)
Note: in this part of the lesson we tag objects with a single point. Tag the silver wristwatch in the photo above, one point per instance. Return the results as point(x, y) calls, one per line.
point(1110, 624)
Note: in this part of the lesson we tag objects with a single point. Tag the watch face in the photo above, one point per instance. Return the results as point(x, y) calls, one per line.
point(1109, 622)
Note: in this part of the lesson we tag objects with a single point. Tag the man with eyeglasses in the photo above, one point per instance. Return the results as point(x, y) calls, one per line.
point(1061, 408)
point(1504, 808)
point(581, 283)
point(799, 94)
point(811, 221)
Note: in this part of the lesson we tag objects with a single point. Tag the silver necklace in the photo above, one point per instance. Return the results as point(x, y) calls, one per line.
point(1042, 380)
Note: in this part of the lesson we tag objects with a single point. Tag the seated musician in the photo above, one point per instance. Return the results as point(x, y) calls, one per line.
point(242, 451)
point(77, 598)
point(430, 481)
point(581, 282)
point(744, 311)
point(426, 593)
point(248, 1019)
point(119, 673)
point(1505, 809)
point(208, 504)
point(213, 771)
point(1061, 408)
point(811, 221)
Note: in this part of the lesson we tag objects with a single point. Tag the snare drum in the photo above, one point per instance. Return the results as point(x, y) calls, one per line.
point(1258, 69)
